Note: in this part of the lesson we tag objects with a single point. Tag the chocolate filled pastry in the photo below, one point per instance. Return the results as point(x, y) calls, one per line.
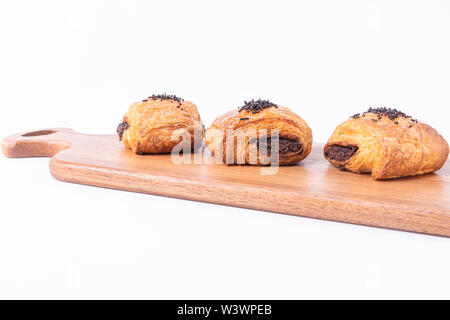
point(386, 143)
point(157, 124)
point(259, 133)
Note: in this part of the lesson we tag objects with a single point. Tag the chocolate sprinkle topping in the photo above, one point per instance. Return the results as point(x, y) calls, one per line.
point(388, 112)
point(244, 118)
point(166, 97)
point(255, 106)
point(392, 114)
point(121, 129)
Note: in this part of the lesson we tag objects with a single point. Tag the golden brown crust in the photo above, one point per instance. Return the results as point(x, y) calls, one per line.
point(226, 129)
point(154, 125)
point(389, 148)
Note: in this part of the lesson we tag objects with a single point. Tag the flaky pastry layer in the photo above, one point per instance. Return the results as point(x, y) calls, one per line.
point(157, 125)
point(387, 148)
point(232, 136)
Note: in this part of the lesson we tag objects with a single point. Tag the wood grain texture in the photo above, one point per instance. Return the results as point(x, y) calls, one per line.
point(312, 188)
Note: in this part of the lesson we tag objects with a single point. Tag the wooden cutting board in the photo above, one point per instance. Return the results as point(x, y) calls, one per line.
point(312, 188)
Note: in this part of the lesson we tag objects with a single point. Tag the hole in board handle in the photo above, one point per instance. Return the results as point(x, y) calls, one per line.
point(39, 133)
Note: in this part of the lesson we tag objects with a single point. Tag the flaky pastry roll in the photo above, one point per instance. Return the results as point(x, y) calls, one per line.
point(386, 143)
point(157, 124)
point(249, 135)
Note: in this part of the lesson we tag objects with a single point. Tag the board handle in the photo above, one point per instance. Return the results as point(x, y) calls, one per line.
point(40, 143)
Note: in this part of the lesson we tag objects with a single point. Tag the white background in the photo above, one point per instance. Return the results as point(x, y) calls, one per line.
point(80, 64)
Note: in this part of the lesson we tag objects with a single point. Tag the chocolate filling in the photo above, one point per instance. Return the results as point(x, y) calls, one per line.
point(285, 146)
point(340, 153)
point(121, 129)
